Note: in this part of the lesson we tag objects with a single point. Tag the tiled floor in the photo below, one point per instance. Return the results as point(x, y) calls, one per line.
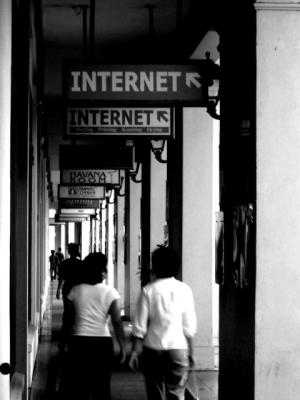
point(126, 385)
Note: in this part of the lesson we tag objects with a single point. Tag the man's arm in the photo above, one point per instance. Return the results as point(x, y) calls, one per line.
point(139, 330)
point(68, 321)
point(190, 343)
point(114, 312)
point(136, 350)
point(60, 280)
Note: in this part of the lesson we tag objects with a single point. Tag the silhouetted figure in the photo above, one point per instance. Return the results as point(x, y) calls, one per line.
point(60, 256)
point(69, 271)
point(90, 305)
point(165, 322)
point(53, 260)
point(69, 274)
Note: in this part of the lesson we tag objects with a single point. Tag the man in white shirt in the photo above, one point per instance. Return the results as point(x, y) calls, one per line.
point(166, 322)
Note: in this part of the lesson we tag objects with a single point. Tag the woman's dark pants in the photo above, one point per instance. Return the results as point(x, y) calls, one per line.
point(89, 368)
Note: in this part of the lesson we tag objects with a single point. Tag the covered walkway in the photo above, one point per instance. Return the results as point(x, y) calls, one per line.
point(126, 385)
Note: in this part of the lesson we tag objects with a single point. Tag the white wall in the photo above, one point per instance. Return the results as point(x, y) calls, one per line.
point(133, 280)
point(277, 354)
point(216, 209)
point(110, 264)
point(85, 239)
point(120, 249)
point(197, 239)
point(157, 201)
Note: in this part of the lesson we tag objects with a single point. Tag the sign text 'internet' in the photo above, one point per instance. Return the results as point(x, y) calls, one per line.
point(145, 82)
point(92, 121)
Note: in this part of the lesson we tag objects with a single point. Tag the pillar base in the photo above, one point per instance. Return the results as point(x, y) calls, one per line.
point(205, 357)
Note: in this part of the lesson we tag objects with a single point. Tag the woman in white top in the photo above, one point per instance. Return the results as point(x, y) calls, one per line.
point(165, 321)
point(90, 347)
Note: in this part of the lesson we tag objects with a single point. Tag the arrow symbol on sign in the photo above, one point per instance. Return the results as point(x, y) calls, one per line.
point(162, 115)
point(192, 79)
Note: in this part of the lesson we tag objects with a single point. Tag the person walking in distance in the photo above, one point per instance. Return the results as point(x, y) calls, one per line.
point(61, 257)
point(53, 260)
point(68, 276)
point(90, 306)
point(69, 271)
point(165, 322)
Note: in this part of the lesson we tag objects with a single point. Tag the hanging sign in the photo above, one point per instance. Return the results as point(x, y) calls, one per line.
point(78, 203)
point(96, 177)
point(92, 121)
point(71, 217)
point(138, 82)
point(81, 192)
point(76, 211)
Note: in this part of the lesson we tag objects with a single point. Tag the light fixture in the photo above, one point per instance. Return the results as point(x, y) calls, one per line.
point(157, 148)
point(134, 172)
point(213, 100)
point(213, 88)
point(110, 191)
point(118, 189)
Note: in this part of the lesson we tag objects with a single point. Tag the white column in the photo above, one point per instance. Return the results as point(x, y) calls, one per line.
point(5, 95)
point(110, 264)
point(197, 242)
point(133, 281)
point(277, 320)
point(103, 226)
point(85, 239)
point(158, 202)
point(120, 249)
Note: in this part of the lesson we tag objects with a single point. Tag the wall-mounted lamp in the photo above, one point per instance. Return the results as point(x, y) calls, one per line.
point(101, 205)
point(213, 99)
point(213, 88)
point(157, 148)
point(110, 193)
point(118, 189)
point(134, 172)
